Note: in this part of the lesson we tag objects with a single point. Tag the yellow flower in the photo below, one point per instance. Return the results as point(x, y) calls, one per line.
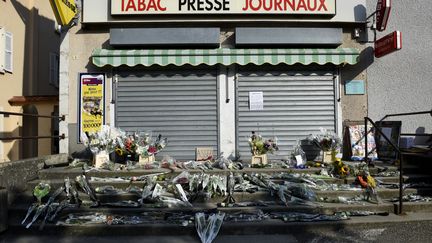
point(119, 151)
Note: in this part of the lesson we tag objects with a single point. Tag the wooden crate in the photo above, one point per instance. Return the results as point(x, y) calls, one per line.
point(146, 160)
point(101, 158)
point(259, 159)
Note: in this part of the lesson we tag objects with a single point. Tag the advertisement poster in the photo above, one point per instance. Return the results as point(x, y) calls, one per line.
point(358, 143)
point(92, 102)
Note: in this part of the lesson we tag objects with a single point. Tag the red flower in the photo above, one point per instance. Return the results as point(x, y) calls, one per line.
point(152, 150)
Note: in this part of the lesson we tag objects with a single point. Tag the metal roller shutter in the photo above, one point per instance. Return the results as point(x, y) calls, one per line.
point(180, 105)
point(295, 105)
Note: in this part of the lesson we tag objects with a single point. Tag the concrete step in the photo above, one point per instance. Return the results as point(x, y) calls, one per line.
point(18, 212)
point(56, 183)
point(417, 169)
point(264, 227)
point(327, 196)
point(416, 177)
point(392, 228)
point(63, 172)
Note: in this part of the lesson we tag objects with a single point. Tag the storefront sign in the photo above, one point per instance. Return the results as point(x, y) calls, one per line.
point(92, 102)
point(388, 44)
point(304, 7)
point(382, 14)
point(64, 10)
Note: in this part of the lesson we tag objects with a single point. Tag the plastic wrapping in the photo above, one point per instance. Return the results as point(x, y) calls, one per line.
point(182, 178)
point(210, 185)
point(148, 189)
point(41, 190)
point(85, 186)
point(301, 191)
point(298, 156)
point(230, 189)
point(42, 209)
point(227, 164)
point(208, 228)
point(182, 194)
point(157, 191)
point(173, 202)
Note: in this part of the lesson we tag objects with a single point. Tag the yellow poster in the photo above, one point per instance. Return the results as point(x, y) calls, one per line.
point(92, 102)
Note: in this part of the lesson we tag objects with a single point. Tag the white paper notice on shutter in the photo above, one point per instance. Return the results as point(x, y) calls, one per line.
point(256, 101)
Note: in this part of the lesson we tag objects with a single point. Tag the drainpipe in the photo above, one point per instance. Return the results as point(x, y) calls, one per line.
point(64, 92)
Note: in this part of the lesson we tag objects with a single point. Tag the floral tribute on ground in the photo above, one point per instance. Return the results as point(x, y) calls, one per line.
point(123, 146)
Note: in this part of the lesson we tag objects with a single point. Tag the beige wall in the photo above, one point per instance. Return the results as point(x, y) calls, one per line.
point(81, 47)
point(354, 107)
point(32, 26)
point(12, 83)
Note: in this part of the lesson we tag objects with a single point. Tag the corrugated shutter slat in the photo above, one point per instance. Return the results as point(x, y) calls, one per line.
point(295, 105)
point(181, 106)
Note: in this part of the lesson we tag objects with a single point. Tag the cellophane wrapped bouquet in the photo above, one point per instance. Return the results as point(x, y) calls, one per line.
point(147, 146)
point(99, 141)
point(325, 140)
point(260, 146)
point(126, 145)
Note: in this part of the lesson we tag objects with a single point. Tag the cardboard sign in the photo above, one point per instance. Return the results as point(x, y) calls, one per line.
point(204, 154)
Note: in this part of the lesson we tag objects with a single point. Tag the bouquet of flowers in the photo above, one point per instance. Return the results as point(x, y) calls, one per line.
point(135, 144)
point(326, 141)
point(259, 146)
point(126, 145)
point(99, 141)
point(148, 147)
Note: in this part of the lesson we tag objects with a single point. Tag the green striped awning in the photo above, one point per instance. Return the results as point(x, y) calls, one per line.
point(224, 56)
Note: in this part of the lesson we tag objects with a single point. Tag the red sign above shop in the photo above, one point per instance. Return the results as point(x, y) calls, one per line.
point(303, 7)
point(382, 14)
point(388, 44)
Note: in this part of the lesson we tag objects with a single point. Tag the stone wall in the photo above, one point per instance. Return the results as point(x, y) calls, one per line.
point(14, 175)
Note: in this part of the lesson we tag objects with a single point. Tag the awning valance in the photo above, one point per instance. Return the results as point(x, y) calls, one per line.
point(224, 56)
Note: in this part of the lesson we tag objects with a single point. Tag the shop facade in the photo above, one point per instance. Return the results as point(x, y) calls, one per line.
point(208, 73)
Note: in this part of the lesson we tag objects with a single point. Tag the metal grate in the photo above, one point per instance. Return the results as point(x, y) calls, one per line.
point(180, 105)
point(295, 105)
